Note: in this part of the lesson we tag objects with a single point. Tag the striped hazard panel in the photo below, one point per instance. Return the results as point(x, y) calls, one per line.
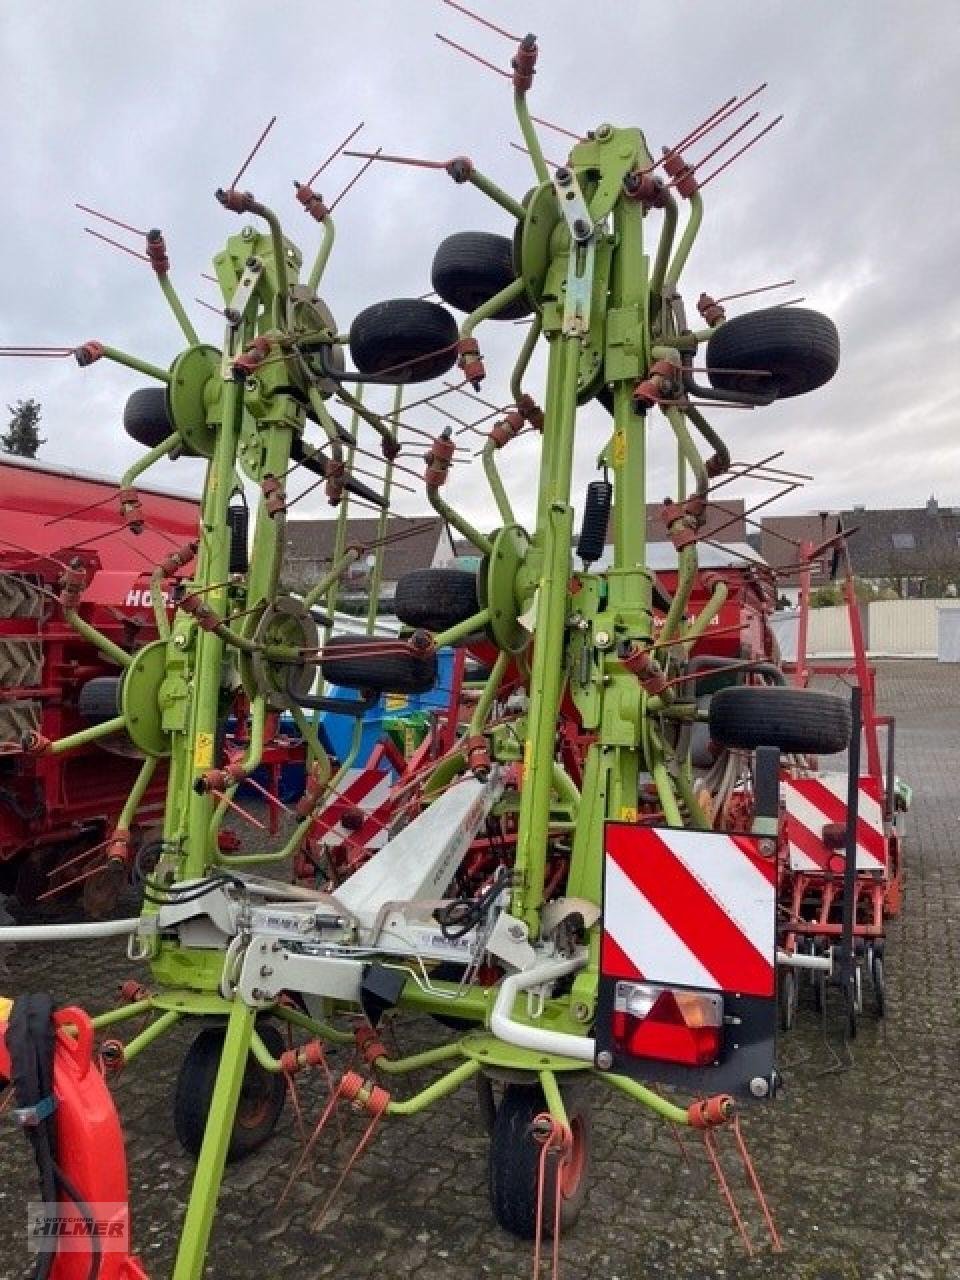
point(689, 908)
point(813, 803)
point(364, 789)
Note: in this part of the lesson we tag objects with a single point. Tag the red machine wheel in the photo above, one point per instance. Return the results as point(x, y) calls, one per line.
point(515, 1162)
point(261, 1100)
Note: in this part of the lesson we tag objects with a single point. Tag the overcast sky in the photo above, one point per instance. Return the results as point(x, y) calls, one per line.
point(143, 110)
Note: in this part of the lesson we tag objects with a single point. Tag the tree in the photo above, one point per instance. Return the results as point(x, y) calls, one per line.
point(864, 590)
point(23, 436)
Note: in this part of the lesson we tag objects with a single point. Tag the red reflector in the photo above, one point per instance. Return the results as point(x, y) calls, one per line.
point(668, 1032)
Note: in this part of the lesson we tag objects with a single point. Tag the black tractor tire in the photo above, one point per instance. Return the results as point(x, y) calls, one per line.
point(802, 721)
point(261, 1100)
point(798, 348)
point(471, 267)
point(404, 340)
point(515, 1163)
point(146, 417)
point(383, 672)
point(21, 598)
point(435, 599)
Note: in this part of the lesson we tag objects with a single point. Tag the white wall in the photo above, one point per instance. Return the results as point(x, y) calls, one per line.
point(894, 628)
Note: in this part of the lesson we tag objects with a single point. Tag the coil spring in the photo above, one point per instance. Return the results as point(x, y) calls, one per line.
point(596, 516)
point(238, 519)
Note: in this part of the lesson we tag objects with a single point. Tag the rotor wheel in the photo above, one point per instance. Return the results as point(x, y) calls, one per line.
point(259, 1105)
point(515, 1157)
point(378, 669)
point(471, 267)
point(804, 721)
point(435, 599)
point(146, 416)
point(793, 349)
point(404, 340)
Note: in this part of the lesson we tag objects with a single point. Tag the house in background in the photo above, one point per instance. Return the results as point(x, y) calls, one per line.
point(424, 542)
point(913, 551)
point(414, 542)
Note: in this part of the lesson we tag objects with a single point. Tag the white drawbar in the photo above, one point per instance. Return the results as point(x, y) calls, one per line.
point(68, 932)
point(522, 1034)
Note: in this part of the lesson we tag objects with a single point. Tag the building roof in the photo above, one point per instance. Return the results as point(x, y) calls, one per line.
point(725, 522)
point(662, 556)
point(895, 542)
point(310, 543)
point(780, 539)
point(905, 542)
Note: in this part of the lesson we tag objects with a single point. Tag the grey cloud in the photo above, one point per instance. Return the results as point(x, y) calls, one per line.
point(143, 113)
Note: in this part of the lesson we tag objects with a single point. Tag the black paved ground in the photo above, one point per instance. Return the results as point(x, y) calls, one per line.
point(861, 1165)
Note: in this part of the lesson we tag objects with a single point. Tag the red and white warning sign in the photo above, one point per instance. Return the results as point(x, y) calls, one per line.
point(692, 908)
point(815, 803)
point(363, 799)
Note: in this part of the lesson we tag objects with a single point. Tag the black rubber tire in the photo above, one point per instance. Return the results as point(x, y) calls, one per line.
point(879, 987)
point(799, 348)
point(35, 871)
point(819, 990)
point(515, 1161)
point(435, 599)
point(99, 699)
point(854, 1005)
point(262, 1094)
point(787, 994)
point(486, 1102)
point(384, 672)
point(100, 893)
point(146, 417)
point(404, 339)
point(471, 267)
point(795, 720)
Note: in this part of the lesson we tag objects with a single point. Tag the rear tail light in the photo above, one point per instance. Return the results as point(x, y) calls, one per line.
point(667, 1023)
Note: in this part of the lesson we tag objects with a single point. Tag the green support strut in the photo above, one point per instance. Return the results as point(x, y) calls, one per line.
point(198, 1222)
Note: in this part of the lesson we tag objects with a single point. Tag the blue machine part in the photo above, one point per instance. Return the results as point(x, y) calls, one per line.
point(336, 730)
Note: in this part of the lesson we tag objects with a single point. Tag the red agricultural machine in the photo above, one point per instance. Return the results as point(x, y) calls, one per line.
point(842, 871)
point(57, 810)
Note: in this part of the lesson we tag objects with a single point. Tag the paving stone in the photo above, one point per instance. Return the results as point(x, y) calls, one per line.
point(860, 1165)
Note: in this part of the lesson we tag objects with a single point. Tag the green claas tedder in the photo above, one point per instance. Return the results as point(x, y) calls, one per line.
point(564, 891)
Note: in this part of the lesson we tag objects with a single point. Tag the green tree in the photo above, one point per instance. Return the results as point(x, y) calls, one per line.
point(832, 593)
point(23, 436)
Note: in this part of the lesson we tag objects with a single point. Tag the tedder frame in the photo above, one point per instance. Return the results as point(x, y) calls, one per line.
point(584, 645)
